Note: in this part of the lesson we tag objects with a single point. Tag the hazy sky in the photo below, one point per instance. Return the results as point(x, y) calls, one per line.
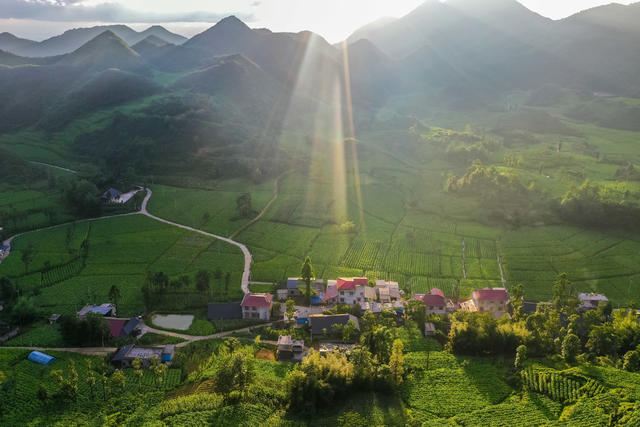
point(334, 19)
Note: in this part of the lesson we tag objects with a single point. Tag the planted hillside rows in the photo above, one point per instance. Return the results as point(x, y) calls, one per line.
point(559, 387)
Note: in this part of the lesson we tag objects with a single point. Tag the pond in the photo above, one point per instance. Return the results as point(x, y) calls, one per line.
point(180, 322)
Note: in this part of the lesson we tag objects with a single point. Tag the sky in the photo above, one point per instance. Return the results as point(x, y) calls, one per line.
point(333, 19)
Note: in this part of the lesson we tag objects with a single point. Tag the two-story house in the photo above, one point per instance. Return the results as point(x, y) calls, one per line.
point(355, 290)
point(387, 291)
point(494, 301)
point(434, 302)
point(257, 306)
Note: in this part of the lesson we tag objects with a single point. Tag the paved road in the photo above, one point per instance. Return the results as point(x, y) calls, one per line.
point(247, 255)
point(190, 338)
point(55, 167)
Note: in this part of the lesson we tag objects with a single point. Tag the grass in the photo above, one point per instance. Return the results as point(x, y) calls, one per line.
point(43, 335)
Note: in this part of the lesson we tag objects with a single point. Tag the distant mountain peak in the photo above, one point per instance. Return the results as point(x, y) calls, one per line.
point(231, 21)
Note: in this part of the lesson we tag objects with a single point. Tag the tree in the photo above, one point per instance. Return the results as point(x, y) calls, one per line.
point(118, 380)
point(42, 394)
point(203, 279)
point(363, 367)
point(396, 363)
point(605, 309)
point(82, 197)
point(69, 385)
point(348, 331)
point(234, 372)
point(276, 310)
point(632, 361)
point(290, 308)
point(24, 311)
point(8, 290)
point(379, 342)
point(602, 341)
point(570, 348)
point(136, 364)
point(516, 297)
point(563, 299)
point(26, 257)
point(243, 204)
point(105, 387)
point(416, 311)
point(91, 378)
point(307, 273)
point(114, 295)
point(159, 372)
point(521, 357)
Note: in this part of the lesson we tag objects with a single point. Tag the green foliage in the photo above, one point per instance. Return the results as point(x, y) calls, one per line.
point(521, 356)
point(571, 346)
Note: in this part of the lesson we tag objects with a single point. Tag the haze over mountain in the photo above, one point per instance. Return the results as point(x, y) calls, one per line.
point(74, 39)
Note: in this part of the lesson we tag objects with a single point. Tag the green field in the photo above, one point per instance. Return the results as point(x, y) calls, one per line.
point(121, 252)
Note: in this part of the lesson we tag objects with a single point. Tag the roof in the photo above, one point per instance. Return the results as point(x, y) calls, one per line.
point(487, 294)
point(115, 326)
point(592, 297)
point(432, 300)
point(129, 327)
point(369, 292)
point(111, 193)
point(257, 300)
point(350, 283)
point(320, 322)
point(294, 282)
point(436, 291)
point(4, 248)
point(224, 310)
point(41, 358)
point(103, 309)
point(429, 327)
point(122, 353)
point(331, 292)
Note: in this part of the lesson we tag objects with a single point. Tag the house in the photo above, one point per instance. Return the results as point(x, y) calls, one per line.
point(387, 291)
point(224, 311)
point(103, 310)
point(331, 293)
point(111, 196)
point(591, 301)
point(124, 328)
point(494, 301)
point(355, 290)
point(434, 302)
point(4, 251)
point(54, 319)
point(127, 354)
point(41, 358)
point(282, 294)
point(290, 349)
point(322, 324)
point(429, 329)
point(257, 306)
point(293, 286)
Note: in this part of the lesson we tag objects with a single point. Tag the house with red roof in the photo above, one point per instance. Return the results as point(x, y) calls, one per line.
point(257, 306)
point(355, 290)
point(434, 302)
point(494, 301)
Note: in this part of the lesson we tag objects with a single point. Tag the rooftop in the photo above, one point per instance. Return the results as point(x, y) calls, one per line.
point(488, 294)
point(257, 300)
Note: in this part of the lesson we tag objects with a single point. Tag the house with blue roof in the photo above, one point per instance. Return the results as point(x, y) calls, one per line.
point(111, 196)
point(103, 310)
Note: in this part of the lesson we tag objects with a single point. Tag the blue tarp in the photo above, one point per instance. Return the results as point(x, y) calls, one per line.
point(315, 300)
point(41, 358)
point(303, 320)
point(166, 358)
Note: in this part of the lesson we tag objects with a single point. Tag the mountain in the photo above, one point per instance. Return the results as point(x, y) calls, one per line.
point(15, 45)
point(365, 31)
point(107, 50)
point(160, 33)
point(228, 36)
point(71, 40)
point(372, 74)
point(614, 16)
point(11, 60)
point(150, 46)
point(108, 88)
point(235, 77)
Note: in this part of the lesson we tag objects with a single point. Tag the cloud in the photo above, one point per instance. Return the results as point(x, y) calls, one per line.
point(256, 3)
point(76, 11)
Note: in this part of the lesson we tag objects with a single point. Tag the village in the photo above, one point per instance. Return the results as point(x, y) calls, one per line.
point(334, 307)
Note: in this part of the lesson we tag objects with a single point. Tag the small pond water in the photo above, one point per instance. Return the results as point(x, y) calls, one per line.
point(181, 322)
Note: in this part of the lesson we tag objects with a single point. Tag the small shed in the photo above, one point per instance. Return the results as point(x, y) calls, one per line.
point(41, 358)
point(54, 319)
